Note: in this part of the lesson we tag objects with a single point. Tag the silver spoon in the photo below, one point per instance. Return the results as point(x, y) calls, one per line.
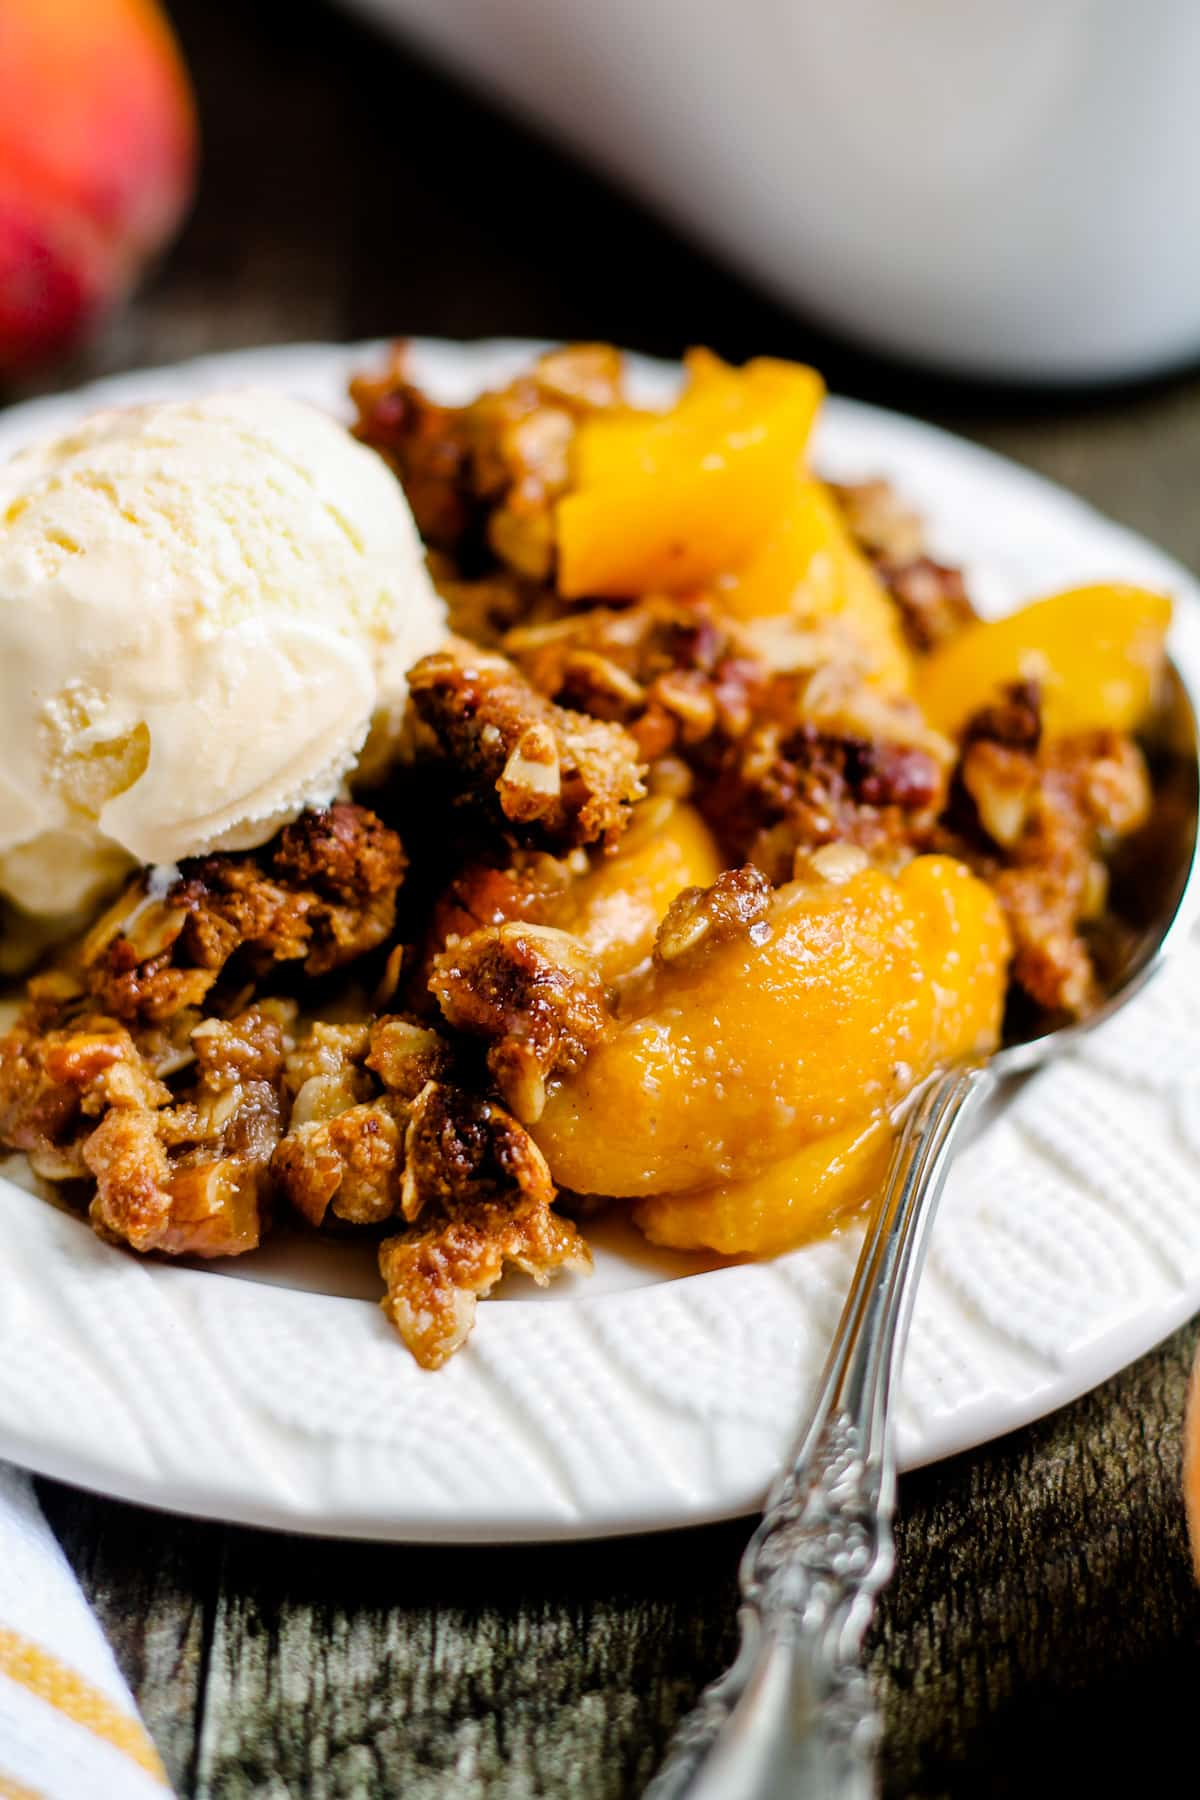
point(793, 1716)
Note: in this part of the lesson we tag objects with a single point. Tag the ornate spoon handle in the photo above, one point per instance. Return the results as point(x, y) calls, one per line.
point(793, 1716)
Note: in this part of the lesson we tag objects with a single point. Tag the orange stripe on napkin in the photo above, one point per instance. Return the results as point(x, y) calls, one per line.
point(31, 1667)
point(14, 1790)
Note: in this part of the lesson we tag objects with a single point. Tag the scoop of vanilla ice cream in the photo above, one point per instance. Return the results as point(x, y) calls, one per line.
point(204, 607)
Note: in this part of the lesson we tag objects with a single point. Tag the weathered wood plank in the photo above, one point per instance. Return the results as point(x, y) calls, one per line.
point(342, 1670)
point(1043, 1630)
point(153, 1582)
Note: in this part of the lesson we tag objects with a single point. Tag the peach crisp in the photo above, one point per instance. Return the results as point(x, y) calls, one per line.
point(717, 823)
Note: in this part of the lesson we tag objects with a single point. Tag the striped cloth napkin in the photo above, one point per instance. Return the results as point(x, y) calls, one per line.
point(68, 1727)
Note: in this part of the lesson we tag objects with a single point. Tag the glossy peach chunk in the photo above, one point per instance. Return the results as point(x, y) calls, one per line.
point(797, 1198)
point(809, 567)
point(1097, 653)
point(741, 1056)
point(666, 502)
point(615, 909)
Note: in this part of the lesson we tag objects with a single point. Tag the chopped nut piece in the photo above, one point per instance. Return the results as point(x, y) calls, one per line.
point(1003, 785)
point(834, 862)
point(406, 1055)
point(601, 679)
point(207, 1209)
point(786, 789)
point(344, 1149)
point(586, 375)
point(932, 599)
point(930, 596)
point(688, 696)
point(54, 1084)
point(535, 993)
point(880, 521)
point(1031, 817)
point(1014, 720)
point(670, 669)
point(549, 776)
point(481, 1193)
point(436, 1275)
point(735, 905)
point(322, 894)
point(461, 1150)
point(342, 852)
point(325, 1051)
point(531, 775)
point(191, 1178)
point(350, 1162)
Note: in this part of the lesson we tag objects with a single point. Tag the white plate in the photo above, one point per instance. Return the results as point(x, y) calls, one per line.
point(1069, 1240)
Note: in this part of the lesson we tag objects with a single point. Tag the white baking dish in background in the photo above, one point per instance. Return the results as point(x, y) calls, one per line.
point(1009, 188)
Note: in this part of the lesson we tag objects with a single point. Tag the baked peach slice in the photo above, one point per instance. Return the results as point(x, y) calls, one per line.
point(615, 909)
point(1097, 653)
point(797, 1198)
point(799, 1031)
point(665, 502)
point(809, 569)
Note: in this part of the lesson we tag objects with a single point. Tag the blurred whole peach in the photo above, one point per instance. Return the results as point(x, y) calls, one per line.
point(97, 158)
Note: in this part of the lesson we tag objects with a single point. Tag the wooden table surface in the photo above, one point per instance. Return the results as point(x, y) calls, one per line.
point(1042, 1634)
